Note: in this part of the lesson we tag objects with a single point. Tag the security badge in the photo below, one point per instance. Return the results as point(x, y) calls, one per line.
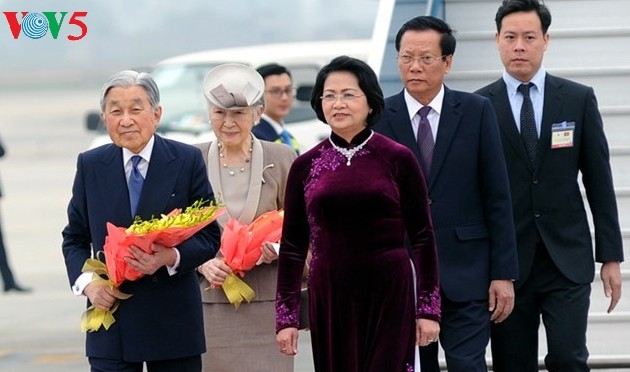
point(562, 134)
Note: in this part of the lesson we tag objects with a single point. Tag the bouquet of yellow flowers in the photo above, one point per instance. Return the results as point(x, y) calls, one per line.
point(169, 230)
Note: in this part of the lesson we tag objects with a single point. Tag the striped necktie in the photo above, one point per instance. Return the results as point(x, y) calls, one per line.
point(425, 140)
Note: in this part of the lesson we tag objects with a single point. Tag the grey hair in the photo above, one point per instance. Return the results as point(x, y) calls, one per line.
point(128, 78)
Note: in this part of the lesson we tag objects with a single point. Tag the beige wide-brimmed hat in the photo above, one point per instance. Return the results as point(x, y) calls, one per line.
point(233, 85)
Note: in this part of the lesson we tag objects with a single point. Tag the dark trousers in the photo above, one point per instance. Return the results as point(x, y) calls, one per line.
point(563, 306)
point(464, 336)
point(190, 364)
point(5, 270)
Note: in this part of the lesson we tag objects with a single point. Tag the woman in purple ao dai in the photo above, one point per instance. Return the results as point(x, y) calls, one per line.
point(355, 199)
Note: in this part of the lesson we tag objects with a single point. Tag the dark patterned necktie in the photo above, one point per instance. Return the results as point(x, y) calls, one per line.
point(135, 184)
point(528, 125)
point(425, 140)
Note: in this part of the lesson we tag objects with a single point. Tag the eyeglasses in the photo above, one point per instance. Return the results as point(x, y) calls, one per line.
point(278, 92)
point(344, 97)
point(426, 60)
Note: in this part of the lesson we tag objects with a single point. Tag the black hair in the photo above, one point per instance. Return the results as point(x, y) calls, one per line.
point(513, 6)
point(422, 23)
point(368, 82)
point(272, 69)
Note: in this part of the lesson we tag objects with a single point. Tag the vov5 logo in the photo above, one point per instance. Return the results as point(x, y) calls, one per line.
point(37, 25)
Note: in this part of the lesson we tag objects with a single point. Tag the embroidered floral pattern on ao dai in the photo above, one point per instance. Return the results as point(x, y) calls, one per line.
point(353, 208)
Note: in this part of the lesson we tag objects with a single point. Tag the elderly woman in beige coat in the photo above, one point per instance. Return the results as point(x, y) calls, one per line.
point(249, 176)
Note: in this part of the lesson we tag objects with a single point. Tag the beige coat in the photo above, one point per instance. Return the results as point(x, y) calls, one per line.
point(262, 197)
point(244, 339)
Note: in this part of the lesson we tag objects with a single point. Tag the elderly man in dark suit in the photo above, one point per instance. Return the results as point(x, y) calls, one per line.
point(468, 190)
point(161, 324)
point(551, 131)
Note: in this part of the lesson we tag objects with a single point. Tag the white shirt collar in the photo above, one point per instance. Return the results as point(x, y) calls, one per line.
point(145, 153)
point(413, 106)
point(512, 84)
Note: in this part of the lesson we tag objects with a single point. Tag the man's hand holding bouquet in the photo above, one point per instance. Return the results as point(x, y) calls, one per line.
point(242, 248)
point(141, 249)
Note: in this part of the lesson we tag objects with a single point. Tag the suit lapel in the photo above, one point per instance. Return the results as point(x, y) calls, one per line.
point(111, 178)
point(551, 111)
point(255, 184)
point(160, 181)
point(211, 156)
point(505, 117)
point(450, 117)
point(400, 124)
point(268, 131)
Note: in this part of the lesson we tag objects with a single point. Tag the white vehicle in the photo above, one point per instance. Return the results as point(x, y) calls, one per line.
point(184, 114)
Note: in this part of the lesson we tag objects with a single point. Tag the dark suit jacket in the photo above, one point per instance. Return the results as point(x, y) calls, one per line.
point(264, 131)
point(548, 202)
point(163, 318)
point(468, 191)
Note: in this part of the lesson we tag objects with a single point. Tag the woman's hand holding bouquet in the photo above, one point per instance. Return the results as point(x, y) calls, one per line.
point(269, 254)
point(215, 271)
point(241, 249)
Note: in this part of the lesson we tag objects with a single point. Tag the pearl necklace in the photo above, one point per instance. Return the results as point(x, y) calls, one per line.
point(349, 153)
point(247, 159)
